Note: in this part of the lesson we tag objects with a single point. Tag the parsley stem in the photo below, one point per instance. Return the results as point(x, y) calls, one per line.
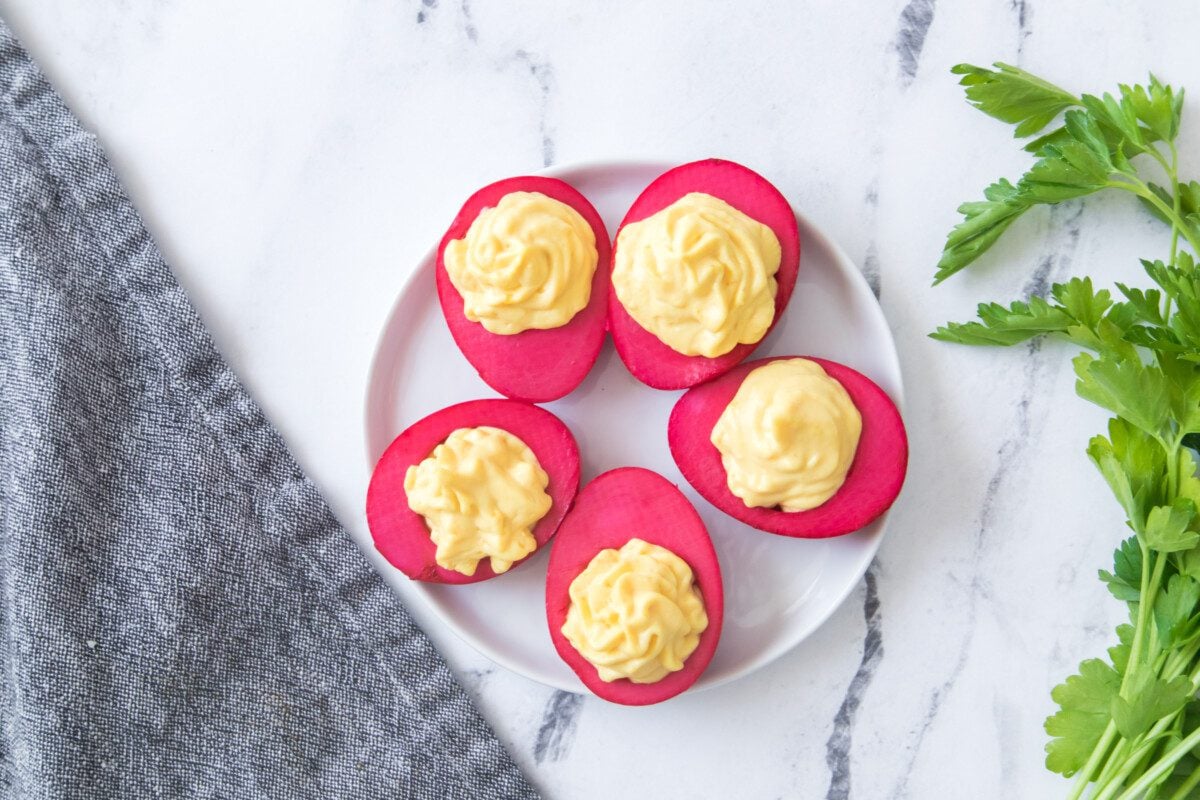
point(1156, 154)
point(1116, 761)
point(1139, 187)
point(1185, 789)
point(1114, 784)
point(1150, 584)
point(1098, 755)
point(1180, 661)
point(1147, 590)
point(1161, 767)
point(1173, 172)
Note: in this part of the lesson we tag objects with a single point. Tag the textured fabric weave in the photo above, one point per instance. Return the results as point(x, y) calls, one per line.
point(180, 614)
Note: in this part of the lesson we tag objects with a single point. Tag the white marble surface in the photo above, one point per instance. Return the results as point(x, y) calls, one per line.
point(294, 159)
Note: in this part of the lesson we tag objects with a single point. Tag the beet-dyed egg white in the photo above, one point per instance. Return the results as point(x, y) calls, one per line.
point(403, 536)
point(636, 515)
point(648, 357)
point(540, 363)
point(870, 485)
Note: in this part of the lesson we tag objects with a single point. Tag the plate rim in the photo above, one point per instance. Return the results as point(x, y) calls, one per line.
point(845, 264)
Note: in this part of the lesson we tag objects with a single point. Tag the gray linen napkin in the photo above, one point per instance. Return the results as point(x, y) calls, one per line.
point(180, 614)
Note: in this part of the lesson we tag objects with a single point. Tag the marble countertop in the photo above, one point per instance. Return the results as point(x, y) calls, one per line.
point(294, 160)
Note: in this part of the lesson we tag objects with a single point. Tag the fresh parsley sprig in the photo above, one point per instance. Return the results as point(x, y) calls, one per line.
point(1128, 726)
point(1091, 149)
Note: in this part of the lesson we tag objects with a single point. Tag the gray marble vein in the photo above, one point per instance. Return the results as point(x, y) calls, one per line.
point(477, 675)
point(936, 699)
point(870, 269)
point(538, 68)
point(543, 76)
point(557, 730)
point(1007, 720)
point(423, 13)
point(870, 264)
point(468, 22)
point(915, 20)
point(1024, 20)
point(837, 747)
point(1038, 284)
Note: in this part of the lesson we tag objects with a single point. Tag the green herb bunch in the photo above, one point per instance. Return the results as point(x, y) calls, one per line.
point(1128, 725)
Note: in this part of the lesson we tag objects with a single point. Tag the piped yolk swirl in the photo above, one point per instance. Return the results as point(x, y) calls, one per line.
point(635, 613)
point(788, 437)
point(481, 493)
point(699, 275)
point(525, 263)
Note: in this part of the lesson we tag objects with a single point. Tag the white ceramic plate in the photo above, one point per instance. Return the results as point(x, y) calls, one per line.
point(777, 589)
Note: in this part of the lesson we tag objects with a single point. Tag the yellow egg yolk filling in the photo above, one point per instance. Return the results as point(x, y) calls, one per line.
point(526, 263)
point(481, 493)
point(635, 613)
point(699, 275)
point(788, 437)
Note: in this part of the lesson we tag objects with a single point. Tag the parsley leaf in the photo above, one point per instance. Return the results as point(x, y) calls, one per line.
point(1007, 326)
point(1057, 136)
point(1130, 462)
point(983, 222)
point(1125, 386)
point(1082, 314)
point(1189, 197)
point(1086, 702)
point(1153, 338)
point(1150, 699)
point(1182, 284)
point(1118, 122)
point(1012, 95)
point(1126, 578)
point(1156, 107)
point(1189, 483)
point(1147, 303)
point(1066, 171)
point(1167, 527)
point(1077, 163)
point(1119, 653)
point(1085, 305)
point(1184, 378)
point(1175, 607)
